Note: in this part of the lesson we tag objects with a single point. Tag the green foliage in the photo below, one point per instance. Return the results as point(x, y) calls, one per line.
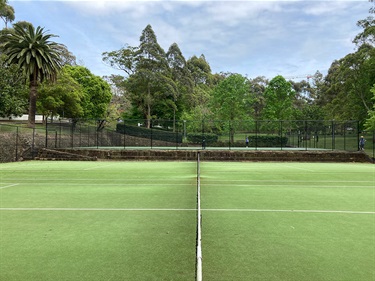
point(370, 121)
point(232, 100)
point(96, 92)
point(6, 12)
point(154, 134)
point(279, 97)
point(347, 92)
point(34, 53)
point(197, 138)
point(268, 141)
point(161, 85)
point(32, 50)
point(13, 91)
point(62, 98)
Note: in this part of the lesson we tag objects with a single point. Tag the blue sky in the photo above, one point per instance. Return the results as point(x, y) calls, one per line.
point(253, 38)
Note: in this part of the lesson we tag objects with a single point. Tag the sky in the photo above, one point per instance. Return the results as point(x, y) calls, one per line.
point(292, 38)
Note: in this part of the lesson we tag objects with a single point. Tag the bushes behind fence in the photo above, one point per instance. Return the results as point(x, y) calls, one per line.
point(155, 134)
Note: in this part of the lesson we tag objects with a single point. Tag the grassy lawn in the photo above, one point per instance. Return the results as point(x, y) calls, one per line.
point(137, 221)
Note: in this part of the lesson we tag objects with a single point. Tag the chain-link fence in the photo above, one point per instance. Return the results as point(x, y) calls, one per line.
point(21, 143)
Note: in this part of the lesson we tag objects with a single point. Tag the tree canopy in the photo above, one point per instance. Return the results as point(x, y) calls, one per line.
point(34, 53)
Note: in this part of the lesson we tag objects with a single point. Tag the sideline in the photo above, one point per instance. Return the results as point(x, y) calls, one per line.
point(11, 185)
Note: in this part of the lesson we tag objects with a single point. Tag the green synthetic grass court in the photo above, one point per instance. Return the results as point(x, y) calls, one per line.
point(137, 221)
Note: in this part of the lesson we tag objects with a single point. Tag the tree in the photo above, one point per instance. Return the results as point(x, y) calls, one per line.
point(370, 121)
point(96, 92)
point(62, 98)
point(279, 97)
point(151, 82)
point(182, 79)
point(346, 89)
point(35, 54)
point(367, 35)
point(67, 58)
point(6, 12)
point(197, 101)
point(123, 59)
point(120, 97)
point(232, 101)
point(13, 91)
point(257, 88)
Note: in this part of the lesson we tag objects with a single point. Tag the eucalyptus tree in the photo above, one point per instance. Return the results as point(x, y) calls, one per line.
point(151, 83)
point(182, 79)
point(6, 12)
point(124, 59)
point(347, 87)
point(367, 35)
point(200, 72)
point(39, 58)
point(197, 107)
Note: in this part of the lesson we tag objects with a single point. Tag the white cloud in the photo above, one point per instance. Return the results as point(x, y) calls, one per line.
point(249, 37)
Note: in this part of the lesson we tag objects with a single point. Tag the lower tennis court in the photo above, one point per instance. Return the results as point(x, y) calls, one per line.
point(138, 221)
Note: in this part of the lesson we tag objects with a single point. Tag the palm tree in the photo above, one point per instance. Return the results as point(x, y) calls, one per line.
point(39, 58)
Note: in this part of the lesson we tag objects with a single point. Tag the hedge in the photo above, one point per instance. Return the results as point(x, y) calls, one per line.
point(198, 138)
point(155, 134)
point(256, 141)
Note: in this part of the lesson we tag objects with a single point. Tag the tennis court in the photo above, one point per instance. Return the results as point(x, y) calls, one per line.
point(138, 221)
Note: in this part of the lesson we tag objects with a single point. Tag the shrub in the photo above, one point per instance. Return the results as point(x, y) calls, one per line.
point(198, 138)
point(155, 134)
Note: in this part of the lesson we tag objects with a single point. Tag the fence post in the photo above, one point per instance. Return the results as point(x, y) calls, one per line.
point(46, 144)
point(124, 136)
point(230, 136)
point(33, 145)
point(71, 134)
point(281, 134)
point(17, 144)
point(151, 132)
point(256, 134)
point(333, 134)
point(358, 133)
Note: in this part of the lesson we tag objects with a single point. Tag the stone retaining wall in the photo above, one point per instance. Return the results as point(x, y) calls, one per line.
point(222, 155)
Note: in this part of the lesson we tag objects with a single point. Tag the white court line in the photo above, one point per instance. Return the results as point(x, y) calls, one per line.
point(298, 168)
point(289, 211)
point(91, 209)
point(210, 210)
point(98, 167)
point(2, 187)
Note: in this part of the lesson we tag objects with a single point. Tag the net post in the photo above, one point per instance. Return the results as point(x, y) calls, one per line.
point(199, 223)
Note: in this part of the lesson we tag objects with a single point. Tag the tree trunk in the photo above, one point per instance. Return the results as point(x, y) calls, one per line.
point(32, 103)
